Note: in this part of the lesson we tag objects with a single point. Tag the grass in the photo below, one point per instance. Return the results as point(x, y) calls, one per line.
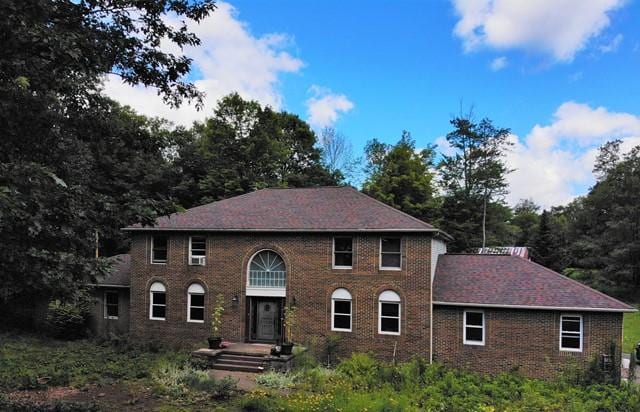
point(631, 331)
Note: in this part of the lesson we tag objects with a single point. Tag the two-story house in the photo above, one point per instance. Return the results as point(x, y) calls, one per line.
point(356, 267)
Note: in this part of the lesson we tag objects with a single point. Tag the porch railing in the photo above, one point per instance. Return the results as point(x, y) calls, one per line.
point(267, 279)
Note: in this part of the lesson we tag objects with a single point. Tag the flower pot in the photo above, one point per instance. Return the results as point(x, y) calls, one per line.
point(214, 343)
point(286, 348)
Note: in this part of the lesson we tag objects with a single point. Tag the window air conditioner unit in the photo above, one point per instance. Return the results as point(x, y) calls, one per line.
point(197, 260)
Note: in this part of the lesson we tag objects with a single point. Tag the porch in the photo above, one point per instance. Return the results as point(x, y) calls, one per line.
point(245, 357)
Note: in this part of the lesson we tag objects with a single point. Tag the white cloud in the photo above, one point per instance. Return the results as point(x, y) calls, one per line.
point(554, 162)
point(228, 59)
point(612, 45)
point(498, 63)
point(324, 106)
point(558, 27)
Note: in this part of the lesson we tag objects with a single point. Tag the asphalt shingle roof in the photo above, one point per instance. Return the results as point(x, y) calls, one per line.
point(120, 274)
point(307, 209)
point(512, 281)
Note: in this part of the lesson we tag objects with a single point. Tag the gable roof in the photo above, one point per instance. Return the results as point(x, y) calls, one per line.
point(309, 209)
point(511, 281)
point(120, 273)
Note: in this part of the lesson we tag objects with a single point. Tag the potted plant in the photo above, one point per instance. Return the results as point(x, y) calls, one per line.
point(215, 340)
point(289, 324)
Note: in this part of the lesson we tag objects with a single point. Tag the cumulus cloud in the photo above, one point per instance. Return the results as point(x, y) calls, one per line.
point(324, 106)
point(554, 162)
point(228, 59)
point(498, 63)
point(560, 28)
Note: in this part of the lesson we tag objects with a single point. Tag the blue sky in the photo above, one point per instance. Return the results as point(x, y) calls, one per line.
point(563, 75)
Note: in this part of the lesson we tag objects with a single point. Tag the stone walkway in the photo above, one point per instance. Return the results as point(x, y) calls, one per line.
point(246, 380)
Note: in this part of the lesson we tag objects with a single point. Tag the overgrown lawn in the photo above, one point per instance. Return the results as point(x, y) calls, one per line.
point(631, 331)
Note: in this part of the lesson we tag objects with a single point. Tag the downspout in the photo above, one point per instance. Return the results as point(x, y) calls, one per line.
point(431, 324)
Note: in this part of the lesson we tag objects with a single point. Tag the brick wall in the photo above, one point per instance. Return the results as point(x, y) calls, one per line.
point(523, 339)
point(310, 279)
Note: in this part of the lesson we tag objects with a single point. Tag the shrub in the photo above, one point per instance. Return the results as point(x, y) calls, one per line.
point(179, 380)
point(277, 380)
point(258, 401)
point(68, 320)
point(361, 370)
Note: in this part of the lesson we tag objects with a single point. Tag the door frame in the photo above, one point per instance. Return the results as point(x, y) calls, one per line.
point(252, 318)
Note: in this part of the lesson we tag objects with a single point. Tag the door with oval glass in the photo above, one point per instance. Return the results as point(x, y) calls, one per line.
point(267, 319)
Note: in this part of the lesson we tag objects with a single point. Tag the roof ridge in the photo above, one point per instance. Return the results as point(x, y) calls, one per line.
point(392, 208)
point(582, 285)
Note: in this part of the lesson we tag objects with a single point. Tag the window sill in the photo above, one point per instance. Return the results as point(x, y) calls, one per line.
point(570, 350)
point(341, 330)
point(195, 321)
point(159, 263)
point(391, 269)
point(111, 317)
point(342, 267)
point(471, 343)
point(389, 333)
point(158, 319)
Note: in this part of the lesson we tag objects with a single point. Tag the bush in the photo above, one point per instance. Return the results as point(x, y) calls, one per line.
point(68, 320)
point(361, 370)
point(178, 381)
point(277, 380)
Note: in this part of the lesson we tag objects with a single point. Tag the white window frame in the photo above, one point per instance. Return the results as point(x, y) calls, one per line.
point(340, 295)
point(152, 304)
point(106, 312)
point(465, 326)
point(397, 301)
point(580, 334)
point(195, 289)
point(191, 249)
point(333, 253)
point(164, 262)
point(380, 254)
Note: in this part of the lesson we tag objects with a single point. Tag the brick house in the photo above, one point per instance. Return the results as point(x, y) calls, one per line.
point(356, 267)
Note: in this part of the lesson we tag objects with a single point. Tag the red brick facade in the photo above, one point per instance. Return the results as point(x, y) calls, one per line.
point(527, 340)
point(310, 280)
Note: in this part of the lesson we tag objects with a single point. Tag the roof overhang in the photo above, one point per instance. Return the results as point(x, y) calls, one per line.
point(533, 307)
point(106, 285)
point(285, 230)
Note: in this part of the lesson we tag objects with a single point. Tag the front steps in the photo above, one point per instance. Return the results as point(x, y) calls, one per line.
point(235, 361)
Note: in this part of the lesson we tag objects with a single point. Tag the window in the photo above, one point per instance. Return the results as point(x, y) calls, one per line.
point(389, 313)
point(342, 252)
point(390, 253)
point(341, 310)
point(195, 308)
point(158, 301)
point(571, 333)
point(473, 327)
point(267, 270)
point(111, 305)
point(158, 249)
point(197, 250)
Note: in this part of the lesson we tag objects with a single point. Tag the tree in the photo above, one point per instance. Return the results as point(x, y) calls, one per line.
point(337, 153)
point(73, 162)
point(473, 178)
point(546, 246)
point(525, 219)
point(244, 147)
point(402, 177)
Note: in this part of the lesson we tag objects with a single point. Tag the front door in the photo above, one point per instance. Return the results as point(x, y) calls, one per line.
point(267, 312)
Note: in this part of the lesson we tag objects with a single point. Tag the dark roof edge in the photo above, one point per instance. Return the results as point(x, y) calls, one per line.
point(163, 229)
point(536, 307)
point(107, 285)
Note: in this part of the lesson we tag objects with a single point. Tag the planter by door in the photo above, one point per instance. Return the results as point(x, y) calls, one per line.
point(215, 343)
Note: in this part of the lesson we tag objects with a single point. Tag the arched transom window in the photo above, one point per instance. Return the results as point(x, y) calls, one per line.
point(267, 270)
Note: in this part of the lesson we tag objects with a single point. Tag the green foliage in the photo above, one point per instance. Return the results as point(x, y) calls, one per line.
point(277, 380)
point(525, 219)
point(360, 383)
point(630, 331)
point(216, 315)
point(402, 177)
point(473, 179)
point(179, 381)
point(30, 362)
point(27, 405)
point(68, 320)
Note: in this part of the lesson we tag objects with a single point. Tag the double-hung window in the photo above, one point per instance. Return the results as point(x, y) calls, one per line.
point(195, 308)
point(571, 333)
point(197, 250)
point(390, 253)
point(473, 327)
point(111, 305)
point(341, 310)
point(342, 252)
point(159, 249)
point(157, 301)
point(389, 313)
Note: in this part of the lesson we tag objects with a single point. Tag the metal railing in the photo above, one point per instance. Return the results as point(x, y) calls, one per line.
point(267, 279)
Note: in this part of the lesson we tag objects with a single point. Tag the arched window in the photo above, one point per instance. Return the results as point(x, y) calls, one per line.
point(267, 270)
point(389, 313)
point(195, 303)
point(341, 310)
point(157, 301)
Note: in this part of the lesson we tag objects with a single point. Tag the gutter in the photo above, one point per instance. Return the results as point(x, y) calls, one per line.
point(106, 285)
point(534, 307)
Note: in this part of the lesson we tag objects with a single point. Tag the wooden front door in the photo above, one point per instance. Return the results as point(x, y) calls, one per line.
point(267, 312)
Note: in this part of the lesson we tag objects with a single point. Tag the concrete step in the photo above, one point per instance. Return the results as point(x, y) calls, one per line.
point(239, 368)
point(231, 361)
point(254, 359)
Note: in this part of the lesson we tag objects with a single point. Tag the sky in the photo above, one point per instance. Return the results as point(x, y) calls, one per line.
point(562, 75)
